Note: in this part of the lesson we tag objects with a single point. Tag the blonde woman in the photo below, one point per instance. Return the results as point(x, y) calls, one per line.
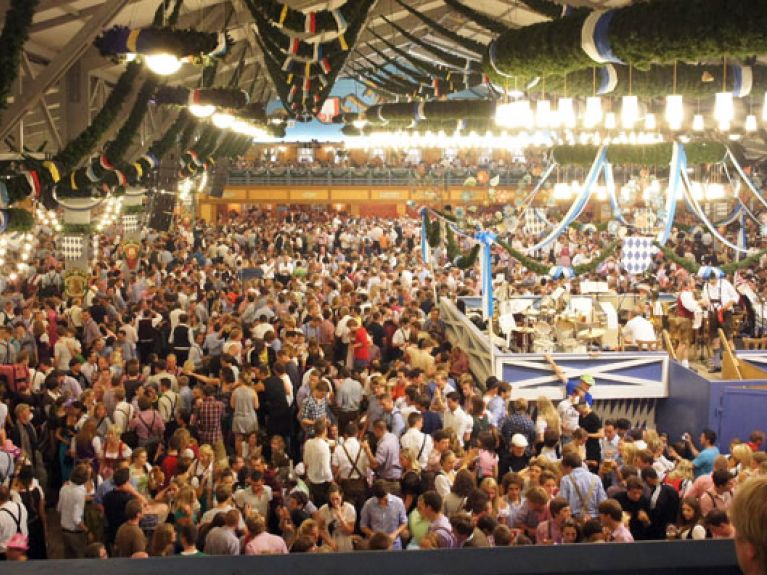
point(113, 452)
point(201, 473)
point(741, 462)
point(681, 477)
point(501, 509)
point(548, 418)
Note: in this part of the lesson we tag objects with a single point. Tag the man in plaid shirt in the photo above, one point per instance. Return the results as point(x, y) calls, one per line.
point(315, 407)
point(207, 417)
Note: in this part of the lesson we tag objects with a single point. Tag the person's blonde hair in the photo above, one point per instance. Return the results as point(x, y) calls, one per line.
point(742, 454)
point(409, 454)
point(548, 413)
point(749, 517)
point(683, 470)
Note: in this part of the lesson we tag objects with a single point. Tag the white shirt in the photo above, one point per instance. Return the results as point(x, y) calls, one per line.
point(413, 439)
point(568, 415)
point(258, 501)
point(317, 461)
point(639, 329)
point(687, 298)
point(71, 506)
point(122, 415)
point(719, 294)
point(459, 421)
point(7, 524)
point(344, 463)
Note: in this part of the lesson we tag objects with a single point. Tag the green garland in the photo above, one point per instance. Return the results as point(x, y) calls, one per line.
point(655, 155)
point(607, 252)
point(467, 261)
point(490, 23)
point(233, 98)
point(77, 229)
point(19, 220)
point(467, 43)
point(544, 8)
point(533, 265)
point(692, 266)
point(443, 55)
point(438, 110)
point(18, 19)
point(643, 33)
point(133, 210)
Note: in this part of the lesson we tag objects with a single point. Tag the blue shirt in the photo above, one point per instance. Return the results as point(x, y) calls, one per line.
point(582, 490)
point(386, 519)
point(704, 463)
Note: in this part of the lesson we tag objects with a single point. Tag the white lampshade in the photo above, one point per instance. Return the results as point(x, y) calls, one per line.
point(504, 114)
point(566, 112)
point(650, 123)
point(751, 123)
point(610, 121)
point(202, 111)
point(724, 108)
point(629, 111)
point(543, 116)
point(593, 115)
point(698, 123)
point(674, 111)
point(163, 64)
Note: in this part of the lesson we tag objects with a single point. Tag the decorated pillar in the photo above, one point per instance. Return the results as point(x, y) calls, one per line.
point(74, 243)
point(133, 220)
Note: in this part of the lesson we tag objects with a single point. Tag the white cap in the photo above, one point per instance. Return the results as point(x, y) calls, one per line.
point(518, 440)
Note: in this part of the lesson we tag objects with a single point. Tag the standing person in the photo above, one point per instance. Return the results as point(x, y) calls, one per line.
point(350, 466)
point(361, 344)
point(719, 297)
point(71, 506)
point(686, 308)
point(611, 516)
point(33, 499)
point(130, 538)
point(276, 404)
point(591, 423)
point(319, 474)
point(384, 513)
point(336, 521)
point(420, 443)
point(583, 490)
point(13, 519)
point(244, 402)
point(181, 338)
point(385, 462)
point(664, 504)
point(703, 464)
point(207, 417)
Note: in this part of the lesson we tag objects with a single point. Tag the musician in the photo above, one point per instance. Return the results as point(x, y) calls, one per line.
point(638, 328)
point(686, 309)
point(719, 297)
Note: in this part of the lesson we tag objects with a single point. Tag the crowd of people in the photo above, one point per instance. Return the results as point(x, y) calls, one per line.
point(271, 386)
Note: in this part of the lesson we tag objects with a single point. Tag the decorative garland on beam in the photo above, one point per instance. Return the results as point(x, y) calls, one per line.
point(655, 155)
point(487, 22)
point(230, 98)
point(18, 19)
point(471, 45)
point(443, 55)
point(546, 8)
point(188, 43)
point(300, 24)
point(692, 266)
point(643, 33)
point(447, 110)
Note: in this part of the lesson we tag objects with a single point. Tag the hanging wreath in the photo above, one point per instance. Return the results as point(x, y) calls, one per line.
point(643, 33)
point(692, 266)
point(651, 155)
point(16, 220)
point(18, 19)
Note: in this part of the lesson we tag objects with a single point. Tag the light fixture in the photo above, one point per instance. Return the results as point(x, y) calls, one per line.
point(562, 191)
point(650, 123)
point(593, 115)
point(751, 123)
point(360, 122)
point(543, 115)
point(698, 123)
point(714, 192)
point(202, 110)
point(222, 120)
point(764, 108)
point(504, 114)
point(724, 109)
point(163, 64)
point(566, 112)
point(675, 111)
point(629, 111)
point(610, 121)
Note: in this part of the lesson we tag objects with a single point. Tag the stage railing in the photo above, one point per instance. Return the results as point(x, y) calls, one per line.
point(709, 557)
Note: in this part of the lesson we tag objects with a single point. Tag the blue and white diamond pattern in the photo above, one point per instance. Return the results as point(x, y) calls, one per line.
point(534, 225)
point(638, 252)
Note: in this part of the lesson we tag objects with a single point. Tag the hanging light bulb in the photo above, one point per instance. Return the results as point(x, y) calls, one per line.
point(675, 111)
point(724, 108)
point(504, 114)
point(650, 123)
point(543, 116)
point(566, 112)
point(629, 111)
point(202, 110)
point(698, 123)
point(610, 121)
point(163, 64)
point(593, 115)
point(751, 123)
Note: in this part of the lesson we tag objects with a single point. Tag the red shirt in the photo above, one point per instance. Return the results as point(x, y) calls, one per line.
point(361, 337)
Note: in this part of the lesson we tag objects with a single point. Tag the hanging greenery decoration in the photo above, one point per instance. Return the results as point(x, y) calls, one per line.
point(467, 261)
point(230, 98)
point(544, 8)
point(19, 220)
point(691, 80)
point(467, 43)
point(651, 155)
point(489, 23)
point(642, 33)
point(133, 210)
point(307, 24)
point(77, 229)
point(533, 265)
point(729, 268)
point(690, 265)
point(189, 43)
point(18, 19)
point(443, 55)
point(437, 110)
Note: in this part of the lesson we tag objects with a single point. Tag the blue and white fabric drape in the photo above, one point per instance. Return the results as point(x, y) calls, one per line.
point(580, 202)
point(678, 167)
point(486, 240)
point(745, 178)
point(425, 256)
point(637, 254)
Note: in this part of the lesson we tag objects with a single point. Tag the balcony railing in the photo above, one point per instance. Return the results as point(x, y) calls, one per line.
point(380, 177)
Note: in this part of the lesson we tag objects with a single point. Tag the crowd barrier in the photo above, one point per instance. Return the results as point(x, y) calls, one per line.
point(710, 557)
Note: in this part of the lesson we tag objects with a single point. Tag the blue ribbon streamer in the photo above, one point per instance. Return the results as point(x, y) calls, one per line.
point(745, 178)
point(486, 239)
point(602, 38)
point(678, 167)
point(424, 239)
point(611, 193)
point(579, 203)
